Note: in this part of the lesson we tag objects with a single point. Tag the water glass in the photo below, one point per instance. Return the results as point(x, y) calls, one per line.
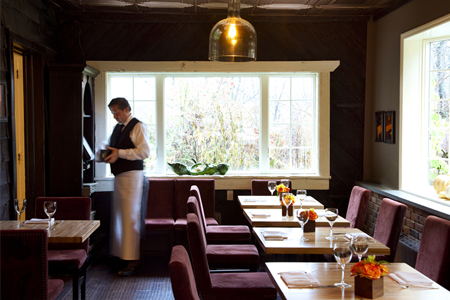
point(301, 196)
point(50, 209)
point(19, 211)
point(331, 214)
point(302, 217)
point(342, 254)
point(272, 185)
point(287, 200)
point(285, 182)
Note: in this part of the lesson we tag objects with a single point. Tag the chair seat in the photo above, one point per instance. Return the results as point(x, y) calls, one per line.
point(159, 223)
point(232, 255)
point(224, 233)
point(54, 288)
point(66, 259)
point(211, 221)
point(181, 224)
point(242, 286)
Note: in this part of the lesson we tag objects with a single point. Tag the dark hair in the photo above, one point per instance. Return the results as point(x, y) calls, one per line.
point(121, 103)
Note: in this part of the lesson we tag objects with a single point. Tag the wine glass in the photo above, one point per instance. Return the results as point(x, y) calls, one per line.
point(360, 244)
point(302, 217)
point(285, 182)
point(20, 211)
point(331, 214)
point(287, 200)
point(50, 209)
point(301, 196)
point(272, 185)
point(342, 254)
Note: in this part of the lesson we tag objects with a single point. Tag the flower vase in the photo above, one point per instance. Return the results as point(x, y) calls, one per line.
point(310, 226)
point(368, 288)
point(290, 210)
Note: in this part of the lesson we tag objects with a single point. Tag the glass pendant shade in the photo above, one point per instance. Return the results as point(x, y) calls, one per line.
point(233, 39)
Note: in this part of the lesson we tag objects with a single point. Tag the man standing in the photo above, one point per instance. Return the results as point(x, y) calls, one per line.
point(129, 145)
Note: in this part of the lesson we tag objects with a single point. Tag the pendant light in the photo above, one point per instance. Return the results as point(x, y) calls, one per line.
point(233, 39)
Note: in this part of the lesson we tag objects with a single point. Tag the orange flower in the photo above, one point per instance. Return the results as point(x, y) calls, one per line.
point(282, 189)
point(356, 269)
point(384, 270)
point(369, 268)
point(312, 215)
point(371, 271)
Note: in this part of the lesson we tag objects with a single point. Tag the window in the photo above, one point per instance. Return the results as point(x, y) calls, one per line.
point(265, 119)
point(216, 119)
point(424, 111)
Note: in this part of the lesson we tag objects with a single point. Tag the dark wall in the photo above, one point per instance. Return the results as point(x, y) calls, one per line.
point(277, 41)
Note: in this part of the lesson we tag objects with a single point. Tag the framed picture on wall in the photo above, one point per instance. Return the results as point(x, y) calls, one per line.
point(389, 130)
point(379, 126)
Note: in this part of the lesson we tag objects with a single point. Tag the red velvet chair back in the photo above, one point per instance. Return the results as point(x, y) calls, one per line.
point(197, 242)
point(195, 191)
point(182, 192)
point(259, 187)
point(194, 208)
point(433, 259)
point(357, 207)
point(181, 275)
point(67, 208)
point(24, 267)
point(160, 198)
point(389, 225)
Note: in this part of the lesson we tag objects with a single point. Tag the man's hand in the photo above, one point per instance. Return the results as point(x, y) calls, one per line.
point(113, 157)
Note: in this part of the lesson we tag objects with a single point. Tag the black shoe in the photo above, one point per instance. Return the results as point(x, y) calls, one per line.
point(130, 269)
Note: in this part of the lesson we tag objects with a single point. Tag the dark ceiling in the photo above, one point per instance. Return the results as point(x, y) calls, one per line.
point(253, 9)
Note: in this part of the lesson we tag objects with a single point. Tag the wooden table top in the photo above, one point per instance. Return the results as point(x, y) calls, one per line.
point(316, 244)
point(274, 202)
point(276, 219)
point(330, 273)
point(67, 231)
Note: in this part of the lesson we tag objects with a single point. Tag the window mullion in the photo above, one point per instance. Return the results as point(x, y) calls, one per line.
point(160, 126)
point(264, 125)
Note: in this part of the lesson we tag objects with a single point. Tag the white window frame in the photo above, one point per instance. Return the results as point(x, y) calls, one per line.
point(413, 140)
point(319, 181)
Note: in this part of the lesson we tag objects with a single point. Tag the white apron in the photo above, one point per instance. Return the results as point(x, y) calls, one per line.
point(126, 215)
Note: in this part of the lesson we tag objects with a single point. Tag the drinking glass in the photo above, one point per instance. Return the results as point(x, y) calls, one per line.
point(302, 217)
point(342, 254)
point(360, 244)
point(19, 211)
point(287, 200)
point(285, 182)
point(272, 185)
point(331, 214)
point(50, 209)
point(301, 196)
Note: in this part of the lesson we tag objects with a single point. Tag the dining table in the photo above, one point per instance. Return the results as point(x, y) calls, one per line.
point(273, 202)
point(316, 244)
point(328, 274)
point(258, 217)
point(66, 231)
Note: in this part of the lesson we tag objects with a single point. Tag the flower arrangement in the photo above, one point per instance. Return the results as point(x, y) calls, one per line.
point(312, 214)
point(289, 196)
point(282, 189)
point(369, 268)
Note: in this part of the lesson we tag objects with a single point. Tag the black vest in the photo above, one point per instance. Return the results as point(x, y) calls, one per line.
point(121, 140)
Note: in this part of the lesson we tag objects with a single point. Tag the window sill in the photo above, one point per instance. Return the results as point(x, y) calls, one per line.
point(424, 200)
point(235, 182)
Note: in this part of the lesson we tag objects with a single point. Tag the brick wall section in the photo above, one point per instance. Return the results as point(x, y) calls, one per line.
point(412, 224)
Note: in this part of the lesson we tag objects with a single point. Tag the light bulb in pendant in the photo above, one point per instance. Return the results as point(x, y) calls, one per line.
point(232, 31)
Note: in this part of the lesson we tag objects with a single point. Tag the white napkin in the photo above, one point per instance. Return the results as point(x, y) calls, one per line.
point(410, 278)
point(249, 200)
point(40, 221)
point(272, 235)
point(350, 235)
point(260, 215)
point(299, 279)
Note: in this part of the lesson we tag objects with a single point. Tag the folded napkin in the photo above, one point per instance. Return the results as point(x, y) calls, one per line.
point(260, 215)
point(410, 278)
point(40, 221)
point(299, 279)
point(350, 235)
point(249, 200)
point(272, 235)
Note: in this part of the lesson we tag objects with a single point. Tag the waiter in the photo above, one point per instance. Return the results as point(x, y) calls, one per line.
point(129, 145)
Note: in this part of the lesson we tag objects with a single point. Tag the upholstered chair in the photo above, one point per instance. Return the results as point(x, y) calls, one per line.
point(218, 233)
point(181, 275)
point(259, 187)
point(233, 256)
point(433, 259)
point(357, 207)
point(226, 286)
point(69, 258)
point(24, 267)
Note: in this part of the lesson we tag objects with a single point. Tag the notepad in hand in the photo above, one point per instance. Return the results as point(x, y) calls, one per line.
point(299, 279)
point(40, 221)
point(272, 235)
